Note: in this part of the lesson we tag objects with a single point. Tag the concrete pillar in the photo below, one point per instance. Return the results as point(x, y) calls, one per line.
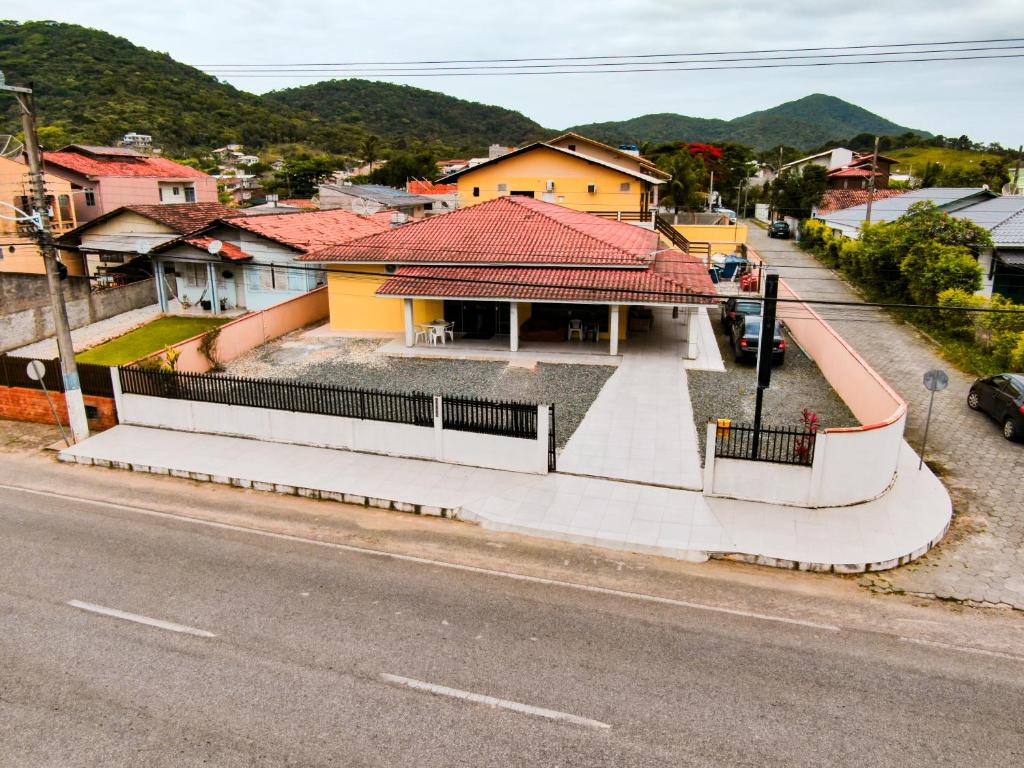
point(613, 331)
point(513, 326)
point(692, 345)
point(410, 331)
point(161, 286)
point(211, 283)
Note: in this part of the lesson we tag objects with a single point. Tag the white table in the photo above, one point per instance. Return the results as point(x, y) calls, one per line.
point(437, 330)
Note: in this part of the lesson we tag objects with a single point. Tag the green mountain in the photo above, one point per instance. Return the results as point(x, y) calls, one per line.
point(402, 112)
point(805, 123)
point(96, 87)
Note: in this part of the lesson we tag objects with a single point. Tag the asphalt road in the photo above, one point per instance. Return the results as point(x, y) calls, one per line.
point(292, 653)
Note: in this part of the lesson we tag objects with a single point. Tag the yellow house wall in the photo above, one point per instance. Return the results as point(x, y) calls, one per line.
point(531, 171)
point(525, 312)
point(354, 307)
point(724, 238)
point(25, 256)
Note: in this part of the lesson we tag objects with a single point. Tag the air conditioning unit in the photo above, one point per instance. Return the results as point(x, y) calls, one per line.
point(592, 188)
point(549, 186)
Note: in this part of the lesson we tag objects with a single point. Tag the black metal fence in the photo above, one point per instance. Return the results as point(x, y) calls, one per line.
point(466, 414)
point(780, 445)
point(95, 379)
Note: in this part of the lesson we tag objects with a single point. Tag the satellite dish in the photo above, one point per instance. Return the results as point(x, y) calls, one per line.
point(10, 146)
point(141, 246)
point(1010, 189)
point(214, 247)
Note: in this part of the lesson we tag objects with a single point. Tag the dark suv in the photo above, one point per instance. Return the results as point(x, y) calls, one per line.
point(746, 336)
point(734, 308)
point(779, 229)
point(1002, 398)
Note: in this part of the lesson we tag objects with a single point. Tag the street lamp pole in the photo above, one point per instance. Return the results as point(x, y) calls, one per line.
point(72, 387)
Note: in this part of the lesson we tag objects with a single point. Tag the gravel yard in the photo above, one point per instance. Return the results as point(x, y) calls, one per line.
point(796, 385)
point(349, 362)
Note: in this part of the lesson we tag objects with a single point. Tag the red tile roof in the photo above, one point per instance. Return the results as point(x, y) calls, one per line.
point(547, 284)
point(310, 230)
point(228, 251)
point(415, 187)
point(182, 217)
point(97, 164)
point(838, 199)
point(299, 202)
point(851, 171)
point(507, 230)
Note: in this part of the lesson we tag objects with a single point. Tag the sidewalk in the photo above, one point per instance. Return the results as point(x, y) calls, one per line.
point(682, 524)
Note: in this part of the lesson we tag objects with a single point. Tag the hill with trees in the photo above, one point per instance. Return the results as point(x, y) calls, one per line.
point(405, 114)
point(804, 123)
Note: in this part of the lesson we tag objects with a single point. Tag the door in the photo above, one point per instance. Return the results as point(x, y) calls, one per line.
point(989, 395)
point(1006, 396)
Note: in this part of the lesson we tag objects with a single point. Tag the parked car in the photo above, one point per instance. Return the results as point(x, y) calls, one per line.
point(779, 229)
point(734, 307)
point(1002, 398)
point(746, 336)
point(726, 212)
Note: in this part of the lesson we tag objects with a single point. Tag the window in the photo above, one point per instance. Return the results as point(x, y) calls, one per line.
point(296, 280)
point(90, 197)
point(174, 191)
point(476, 191)
point(252, 278)
point(190, 194)
point(571, 147)
point(624, 186)
point(503, 187)
point(64, 205)
point(161, 194)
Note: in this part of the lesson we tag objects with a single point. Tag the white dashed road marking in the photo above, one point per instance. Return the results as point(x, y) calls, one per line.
point(113, 612)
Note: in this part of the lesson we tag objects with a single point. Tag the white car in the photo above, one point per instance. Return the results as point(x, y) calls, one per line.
point(728, 212)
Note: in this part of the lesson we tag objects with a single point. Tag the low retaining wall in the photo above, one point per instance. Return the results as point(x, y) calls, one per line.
point(252, 330)
point(851, 465)
point(435, 443)
point(28, 317)
point(723, 238)
point(21, 404)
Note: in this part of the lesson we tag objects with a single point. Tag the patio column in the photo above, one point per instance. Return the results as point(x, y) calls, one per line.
point(410, 332)
point(211, 282)
point(613, 331)
point(161, 287)
point(692, 333)
point(513, 326)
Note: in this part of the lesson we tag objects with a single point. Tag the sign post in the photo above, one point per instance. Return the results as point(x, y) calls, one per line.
point(935, 380)
point(36, 371)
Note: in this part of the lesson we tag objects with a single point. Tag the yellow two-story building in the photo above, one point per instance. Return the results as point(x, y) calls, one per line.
point(570, 170)
point(19, 252)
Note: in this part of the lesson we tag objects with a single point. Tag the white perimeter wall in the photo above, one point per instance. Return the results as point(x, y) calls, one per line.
point(434, 443)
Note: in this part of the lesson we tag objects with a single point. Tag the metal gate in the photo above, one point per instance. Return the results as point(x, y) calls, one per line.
point(552, 458)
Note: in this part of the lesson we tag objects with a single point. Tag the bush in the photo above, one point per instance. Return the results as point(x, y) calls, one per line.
point(963, 325)
point(931, 268)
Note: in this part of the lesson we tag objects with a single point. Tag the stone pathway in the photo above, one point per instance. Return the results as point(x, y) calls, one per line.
point(90, 335)
point(640, 427)
point(982, 559)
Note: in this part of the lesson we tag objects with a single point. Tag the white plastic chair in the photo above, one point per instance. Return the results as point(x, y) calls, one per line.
point(421, 335)
point(437, 333)
point(576, 326)
point(449, 329)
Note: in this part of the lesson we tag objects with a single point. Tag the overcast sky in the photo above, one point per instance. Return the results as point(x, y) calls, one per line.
point(980, 98)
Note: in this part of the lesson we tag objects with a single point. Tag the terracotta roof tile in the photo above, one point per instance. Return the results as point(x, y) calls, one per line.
point(183, 217)
point(838, 199)
point(311, 230)
point(228, 251)
point(100, 165)
point(507, 230)
point(547, 284)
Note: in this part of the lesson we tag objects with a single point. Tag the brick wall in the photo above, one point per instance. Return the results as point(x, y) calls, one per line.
point(20, 404)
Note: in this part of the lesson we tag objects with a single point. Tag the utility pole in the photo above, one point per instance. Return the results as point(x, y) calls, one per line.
point(765, 346)
point(711, 190)
point(871, 182)
point(1016, 172)
point(72, 386)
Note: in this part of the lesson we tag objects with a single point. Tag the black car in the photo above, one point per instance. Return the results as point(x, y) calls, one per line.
point(779, 229)
point(1002, 398)
point(746, 335)
point(733, 308)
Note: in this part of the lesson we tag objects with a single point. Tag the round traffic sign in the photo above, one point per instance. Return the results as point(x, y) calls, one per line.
point(936, 380)
point(35, 370)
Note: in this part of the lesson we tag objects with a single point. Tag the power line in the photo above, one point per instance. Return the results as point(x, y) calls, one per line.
point(633, 56)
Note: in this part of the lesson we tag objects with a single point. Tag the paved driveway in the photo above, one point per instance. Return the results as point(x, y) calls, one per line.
point(982, 560)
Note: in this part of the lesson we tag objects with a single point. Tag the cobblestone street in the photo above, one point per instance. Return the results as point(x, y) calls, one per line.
point(982, 559)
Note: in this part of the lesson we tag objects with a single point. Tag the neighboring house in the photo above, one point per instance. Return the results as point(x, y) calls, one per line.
point(254, 266)
point(445, 196)
point(242, 187)
point(830, 160)
point(368, 199)
point(107, 178)
point(846, 168)
point(141, 140)
point(512, 267)
point(583, 174)
point(289, 205)
point(247, 160)
point(228, 150)
point(18, 249)
point(115, 238)
point(1003, 264)
point(838, 199)
point(848, 221)
point(450, 166)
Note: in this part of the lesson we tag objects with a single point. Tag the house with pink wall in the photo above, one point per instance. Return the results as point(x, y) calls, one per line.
point(104, 179)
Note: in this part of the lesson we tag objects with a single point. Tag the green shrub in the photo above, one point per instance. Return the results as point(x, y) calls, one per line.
point(931, 268)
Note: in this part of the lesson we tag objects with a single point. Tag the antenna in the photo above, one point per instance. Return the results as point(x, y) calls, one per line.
point(10, 146)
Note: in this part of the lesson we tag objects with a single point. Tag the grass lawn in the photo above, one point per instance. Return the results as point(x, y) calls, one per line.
point(150, 338)
point(950, 158)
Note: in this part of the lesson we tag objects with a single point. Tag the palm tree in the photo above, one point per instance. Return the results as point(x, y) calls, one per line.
point(370, 148)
